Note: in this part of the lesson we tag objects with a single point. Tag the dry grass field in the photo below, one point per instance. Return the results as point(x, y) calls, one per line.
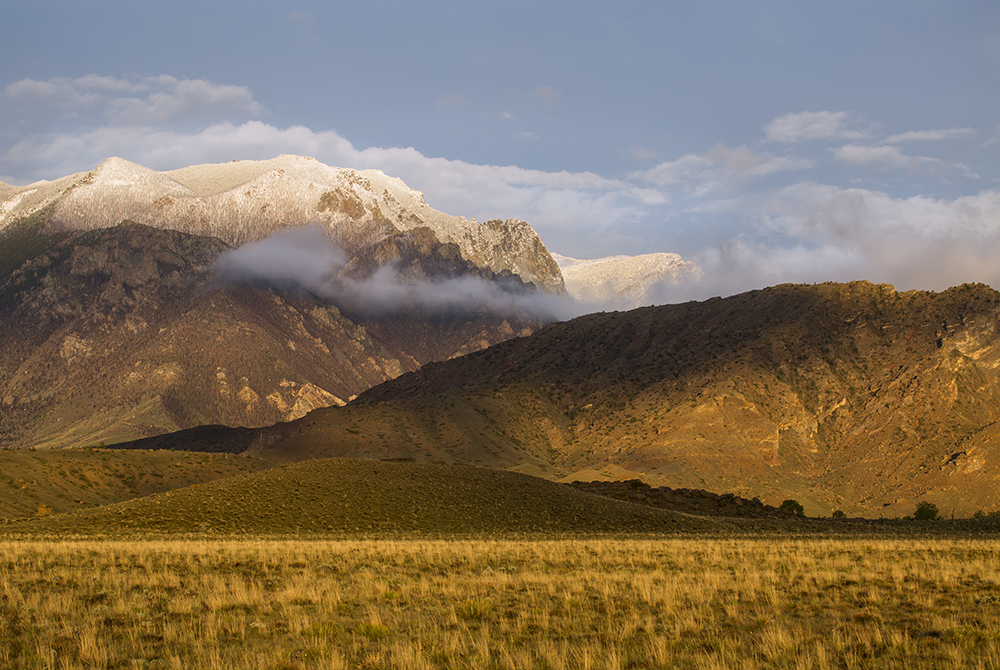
point(212, 603)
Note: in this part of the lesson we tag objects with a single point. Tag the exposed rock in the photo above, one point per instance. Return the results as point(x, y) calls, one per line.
point(119, 333)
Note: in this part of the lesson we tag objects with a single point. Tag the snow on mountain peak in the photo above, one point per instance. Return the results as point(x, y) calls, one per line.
point(624, 282)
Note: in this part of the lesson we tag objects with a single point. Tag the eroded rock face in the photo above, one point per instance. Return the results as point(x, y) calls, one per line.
point(362, 211)
point(121, 333)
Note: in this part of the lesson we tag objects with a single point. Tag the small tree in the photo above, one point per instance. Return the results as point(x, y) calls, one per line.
point(926, 511)
point(839, 514)
point(792, 506)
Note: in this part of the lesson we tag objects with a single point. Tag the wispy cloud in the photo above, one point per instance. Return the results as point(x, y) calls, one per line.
point(810, 232)
point(809, 126)
point(885, 156)
point(641, 154)
point(132, 101)
point(931, 135)
point(720, 168)
point(547, 95)
point(304, 21)
point(882, 157)
point(306, 257)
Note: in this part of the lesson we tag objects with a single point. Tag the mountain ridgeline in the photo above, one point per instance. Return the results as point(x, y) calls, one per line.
point(116, 322)
point(842, 396)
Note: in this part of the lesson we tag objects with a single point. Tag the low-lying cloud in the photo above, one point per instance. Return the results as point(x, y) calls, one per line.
point(817, 196)
point(307, 258)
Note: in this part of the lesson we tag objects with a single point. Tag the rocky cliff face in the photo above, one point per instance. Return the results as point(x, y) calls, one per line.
point(249, 200)
point(125, 332)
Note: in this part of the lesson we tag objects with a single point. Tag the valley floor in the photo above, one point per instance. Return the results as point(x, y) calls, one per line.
point(203, 602)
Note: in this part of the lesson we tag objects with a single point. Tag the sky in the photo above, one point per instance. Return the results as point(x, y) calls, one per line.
point(768, 142)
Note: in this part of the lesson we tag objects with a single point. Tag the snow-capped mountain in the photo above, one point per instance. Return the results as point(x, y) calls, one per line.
point(624, 282)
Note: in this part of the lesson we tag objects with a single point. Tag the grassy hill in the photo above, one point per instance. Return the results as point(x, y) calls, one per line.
point(350, 496)
point(34, 482)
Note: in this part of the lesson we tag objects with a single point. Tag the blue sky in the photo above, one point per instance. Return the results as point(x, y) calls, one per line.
point(766, 141)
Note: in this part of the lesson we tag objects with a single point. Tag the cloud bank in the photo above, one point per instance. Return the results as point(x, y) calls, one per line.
point(819, 196)
point(307, 258)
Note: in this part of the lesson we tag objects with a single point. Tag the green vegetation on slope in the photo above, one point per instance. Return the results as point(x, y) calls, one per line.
point(356, 496)
point(43, 482)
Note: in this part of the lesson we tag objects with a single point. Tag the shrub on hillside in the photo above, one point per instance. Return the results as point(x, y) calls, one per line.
point(926, 511)
point(793, 507)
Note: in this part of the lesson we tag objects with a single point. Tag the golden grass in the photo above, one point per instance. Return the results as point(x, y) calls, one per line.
point(577, 603)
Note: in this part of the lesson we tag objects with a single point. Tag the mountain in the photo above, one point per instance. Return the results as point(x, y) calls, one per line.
point(364, 212)
point(117, 320)
point(625, 282)
point(841, 396)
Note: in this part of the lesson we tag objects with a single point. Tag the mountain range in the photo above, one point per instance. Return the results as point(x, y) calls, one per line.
point(849, 397)
point(286, 310)
point(127, 310)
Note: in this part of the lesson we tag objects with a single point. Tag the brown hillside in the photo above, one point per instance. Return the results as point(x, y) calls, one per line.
point(122, 333)
point(842, 396)
point(851, 396)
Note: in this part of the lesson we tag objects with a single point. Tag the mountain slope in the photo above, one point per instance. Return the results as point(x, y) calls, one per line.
point(842, 396)
point(126, 311)
point(122, 333)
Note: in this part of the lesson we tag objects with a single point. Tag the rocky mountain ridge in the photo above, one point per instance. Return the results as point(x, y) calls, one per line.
point(841, 396)
point(117, 321)
point(249, 200)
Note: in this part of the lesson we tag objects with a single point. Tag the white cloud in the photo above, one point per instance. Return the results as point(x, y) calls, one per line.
point(886, 156)
point(882, 157)
point(808, 126)
point(931, 135)
point(641, 153)
point(185, 98)
point(133, 101)
point(811, 232)
point(721, 167)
